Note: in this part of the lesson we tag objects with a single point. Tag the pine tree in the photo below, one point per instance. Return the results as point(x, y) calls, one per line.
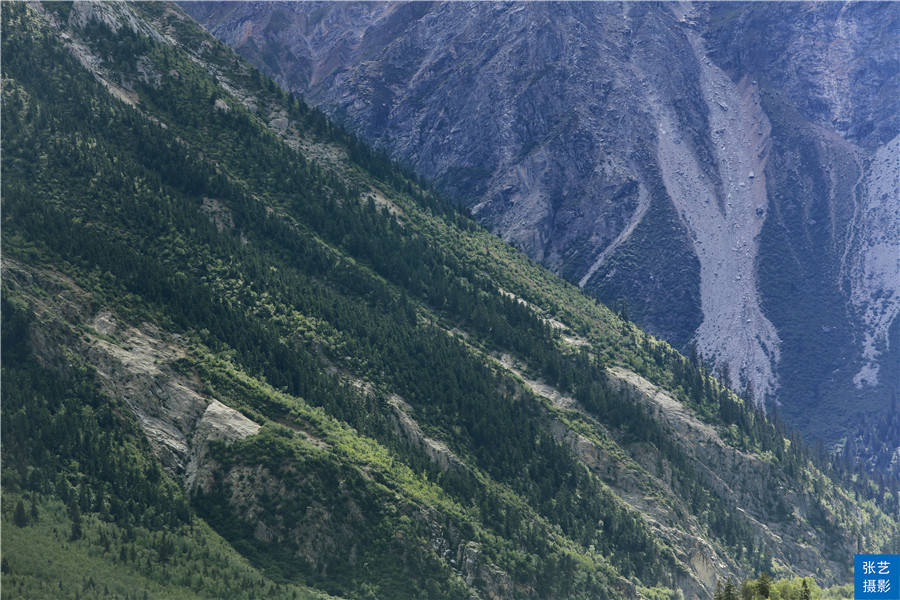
point(19, 516)
point(764, 585)
point(730, 591)
point(75, 515)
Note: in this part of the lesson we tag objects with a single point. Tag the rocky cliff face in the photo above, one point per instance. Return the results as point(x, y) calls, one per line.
point(136, 364)
point(727, 173)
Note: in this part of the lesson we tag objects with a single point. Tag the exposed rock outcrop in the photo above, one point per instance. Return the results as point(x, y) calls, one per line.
point(409, 431)
point(134, 365)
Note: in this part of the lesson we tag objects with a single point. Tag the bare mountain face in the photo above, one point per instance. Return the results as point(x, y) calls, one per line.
point(727, 173)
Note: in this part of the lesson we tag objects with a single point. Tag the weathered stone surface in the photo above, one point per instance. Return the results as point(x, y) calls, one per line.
point(134, 365)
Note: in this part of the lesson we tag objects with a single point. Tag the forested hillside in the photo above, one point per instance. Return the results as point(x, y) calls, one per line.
point(245, 356)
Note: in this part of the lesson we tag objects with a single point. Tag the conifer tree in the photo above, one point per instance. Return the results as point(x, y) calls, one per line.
point(730, 591)
point(75, 515)
point(764, 586)
point(19, 517)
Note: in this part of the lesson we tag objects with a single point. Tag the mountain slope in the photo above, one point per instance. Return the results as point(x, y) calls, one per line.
point(321, 373)
point(727, 172)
